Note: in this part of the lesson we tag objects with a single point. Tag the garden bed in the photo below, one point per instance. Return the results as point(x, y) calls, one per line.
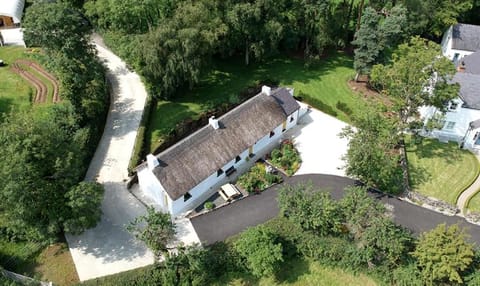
point(258, 178)
point(286, 158)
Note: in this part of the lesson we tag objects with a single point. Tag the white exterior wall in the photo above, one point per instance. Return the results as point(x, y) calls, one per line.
point(447, 50)
point(211, 184)
point(153, 189)
point(462, 118)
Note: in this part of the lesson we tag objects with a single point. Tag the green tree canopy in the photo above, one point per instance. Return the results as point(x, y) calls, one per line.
point(372, 154)
point(312, 210)
point(417, 76)
point(261, 250)
point(443, 254)
point(155, 229)
point(85, 202)
point(42, 160)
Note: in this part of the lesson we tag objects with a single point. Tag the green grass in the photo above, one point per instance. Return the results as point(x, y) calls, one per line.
point(14, 90)
point(326, 81)
point(299, 272)
point(441, 170)
point(474, 203)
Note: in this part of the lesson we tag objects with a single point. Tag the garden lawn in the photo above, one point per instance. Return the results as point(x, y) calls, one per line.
point(14, 90)
point(441, 170)
point(474, 204)
point(325, 81)
point(298, 272)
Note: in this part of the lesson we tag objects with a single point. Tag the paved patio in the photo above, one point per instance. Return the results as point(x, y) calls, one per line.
point(316, 138)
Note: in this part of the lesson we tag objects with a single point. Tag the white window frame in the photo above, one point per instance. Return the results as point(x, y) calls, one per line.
point(449, 125)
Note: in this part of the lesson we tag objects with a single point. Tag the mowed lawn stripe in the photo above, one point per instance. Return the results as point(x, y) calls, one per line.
point(441, 170)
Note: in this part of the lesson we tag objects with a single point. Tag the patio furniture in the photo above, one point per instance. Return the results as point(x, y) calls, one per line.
point(229, 192)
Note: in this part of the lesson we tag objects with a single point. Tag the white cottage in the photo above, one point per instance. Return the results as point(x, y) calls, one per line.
point(460, 40)
point(186, 174)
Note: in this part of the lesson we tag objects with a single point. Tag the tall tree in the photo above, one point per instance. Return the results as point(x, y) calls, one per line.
point(41, 160)
point(84, 202)
point(377, 32)
point(443, 254)
point(312, 210)
point(417, 76)
point(260, 248)
point(174, 54)
point(372, 156)
point(155, 229)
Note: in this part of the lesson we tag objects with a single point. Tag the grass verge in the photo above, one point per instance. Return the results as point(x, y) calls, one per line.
point(441, 170)
point(300, 272)
point(15, 92)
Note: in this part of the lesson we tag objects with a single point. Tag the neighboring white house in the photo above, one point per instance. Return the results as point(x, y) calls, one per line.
point(186, 174)
point(462, 119)
point(11, 12)
point(460, 40)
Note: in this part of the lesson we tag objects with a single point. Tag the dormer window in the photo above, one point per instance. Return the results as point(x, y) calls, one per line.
point(272, 134)
point(219, 172)
point(187, 196)
point(238, 159)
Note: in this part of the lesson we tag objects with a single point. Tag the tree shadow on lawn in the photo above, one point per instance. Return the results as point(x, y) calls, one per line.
point(432, 148)
point(292, 269)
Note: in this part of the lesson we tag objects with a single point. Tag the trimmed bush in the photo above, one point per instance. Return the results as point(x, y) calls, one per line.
point(257, 179)
point(286, 157)
point(342, 106)
point(209, 206)
point(317, 103)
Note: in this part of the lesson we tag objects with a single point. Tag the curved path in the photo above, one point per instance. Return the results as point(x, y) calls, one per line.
point(253, 210)
point(468, 193)
point(109, 248)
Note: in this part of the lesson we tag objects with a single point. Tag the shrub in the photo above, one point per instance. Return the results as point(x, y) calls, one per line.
point(261, 250)
point(286, 158)
point(257, 179)
point(209, 206)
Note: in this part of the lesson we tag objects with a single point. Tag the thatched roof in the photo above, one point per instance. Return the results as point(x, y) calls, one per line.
point(192, 160)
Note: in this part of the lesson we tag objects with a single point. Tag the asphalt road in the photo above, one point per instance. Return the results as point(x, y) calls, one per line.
point(253, 210)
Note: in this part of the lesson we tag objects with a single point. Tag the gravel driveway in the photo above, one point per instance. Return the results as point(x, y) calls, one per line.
point(109, 248)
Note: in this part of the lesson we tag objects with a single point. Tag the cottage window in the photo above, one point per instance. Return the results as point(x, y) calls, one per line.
point(291, 119)
point(230, 171)
point(237, 159)
point(187, 196)
point(453, 106)
point(219, 172)
point(272, 134)
point(449, 125)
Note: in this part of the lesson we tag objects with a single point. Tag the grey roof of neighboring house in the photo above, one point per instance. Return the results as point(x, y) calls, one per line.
point(469, 88)
point(471, 63)
point(475, 124)
point(466, 37)
point(192, 160)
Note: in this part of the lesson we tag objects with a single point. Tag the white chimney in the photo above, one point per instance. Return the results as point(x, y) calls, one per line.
point(267, 90)
point(290, 90)
point(152, 161)
point(214, 122)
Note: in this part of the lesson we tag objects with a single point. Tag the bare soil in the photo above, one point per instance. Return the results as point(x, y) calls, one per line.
point(40, 87)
